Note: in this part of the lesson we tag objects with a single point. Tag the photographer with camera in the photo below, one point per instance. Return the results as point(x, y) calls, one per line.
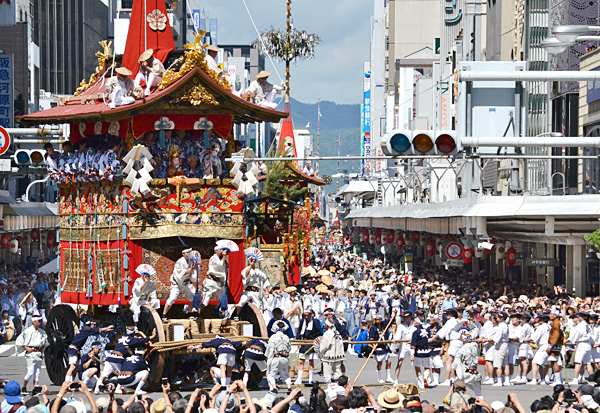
point(567, 399)
point(69, 386)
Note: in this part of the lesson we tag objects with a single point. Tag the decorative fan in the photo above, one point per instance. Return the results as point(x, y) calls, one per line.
point(195, 256)
point(254, 252)
point(145, 269)
point(245, 170)
point(138, 178)
point(227, 244)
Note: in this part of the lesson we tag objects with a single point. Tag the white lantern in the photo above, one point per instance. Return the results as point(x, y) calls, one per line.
point(14, 246)
point(500, 251)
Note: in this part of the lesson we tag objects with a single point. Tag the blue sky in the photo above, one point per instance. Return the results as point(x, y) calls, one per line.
point(344, 26)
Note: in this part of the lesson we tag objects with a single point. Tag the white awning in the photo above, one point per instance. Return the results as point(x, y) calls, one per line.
point(49, 268)
point(490, 206)
point(30, 215)
point(358, 187)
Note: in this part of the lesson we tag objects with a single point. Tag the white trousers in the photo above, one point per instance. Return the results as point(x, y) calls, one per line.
point(33, 371)
point(187, 289)
point(135, 308)
point(151, 79)
point(119, 97)
point(90, 382)
point(331, 370)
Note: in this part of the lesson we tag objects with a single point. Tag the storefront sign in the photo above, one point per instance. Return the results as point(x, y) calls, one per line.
point(593, 89)
point(6, 91)
point(540, 262)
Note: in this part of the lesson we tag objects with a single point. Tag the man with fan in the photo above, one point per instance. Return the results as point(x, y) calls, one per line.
point(144, 291)
point(255, 281)
point(184, 273)
point(216, 277)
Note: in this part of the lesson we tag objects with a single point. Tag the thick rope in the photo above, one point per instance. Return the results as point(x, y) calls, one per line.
point(262, 42)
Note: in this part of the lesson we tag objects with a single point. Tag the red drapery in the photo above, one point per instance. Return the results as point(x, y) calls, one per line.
point(104, 298)
point(221, 124)
point(237, 262)
point(148, 29)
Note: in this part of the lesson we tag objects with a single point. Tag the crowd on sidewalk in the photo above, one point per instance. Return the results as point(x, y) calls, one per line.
point(441, 324)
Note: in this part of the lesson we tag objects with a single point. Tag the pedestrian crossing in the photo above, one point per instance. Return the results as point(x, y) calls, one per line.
point(10, 350)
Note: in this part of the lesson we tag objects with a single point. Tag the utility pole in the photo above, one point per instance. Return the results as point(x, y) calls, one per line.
point(288, 29)
point(338, 170)
point(318, 129)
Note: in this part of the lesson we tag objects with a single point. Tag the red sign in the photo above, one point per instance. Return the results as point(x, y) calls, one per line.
point(4, 140)
point(454, 250)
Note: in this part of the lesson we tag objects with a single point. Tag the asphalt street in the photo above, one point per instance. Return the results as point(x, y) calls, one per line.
point(12, 367)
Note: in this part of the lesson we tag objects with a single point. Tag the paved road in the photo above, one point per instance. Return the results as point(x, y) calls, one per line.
point(12, 367)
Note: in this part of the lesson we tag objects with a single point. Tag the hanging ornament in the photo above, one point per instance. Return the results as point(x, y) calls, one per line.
point(14, 246)
point(391, 236)
point(35, 234)
point(511, 257)
point(50, 239)
point(430, 247)
point(378, 236)
point(245, 170)
point(20, 241)
point(415, 237)
point(138, 179)
point(4, 241)
point(400, 242)
point(468, 255)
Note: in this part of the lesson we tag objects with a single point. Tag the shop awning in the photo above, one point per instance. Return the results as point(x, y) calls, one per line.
point(30, 215)
point(490, 206)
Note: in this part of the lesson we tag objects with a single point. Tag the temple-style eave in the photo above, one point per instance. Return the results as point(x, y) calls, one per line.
point(229, 104)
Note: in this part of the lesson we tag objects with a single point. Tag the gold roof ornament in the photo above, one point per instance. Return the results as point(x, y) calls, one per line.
point(194, 57)
point(102, 56)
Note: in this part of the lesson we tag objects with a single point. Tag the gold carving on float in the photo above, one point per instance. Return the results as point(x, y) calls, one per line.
point(194, 57)
point(102, 58)
point(198, 95)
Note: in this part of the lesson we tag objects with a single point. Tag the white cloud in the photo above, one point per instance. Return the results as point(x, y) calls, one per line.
point(344, 26)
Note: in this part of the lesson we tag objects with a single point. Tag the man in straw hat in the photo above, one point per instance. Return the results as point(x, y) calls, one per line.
point(121, 90)
point(211, 54)
point(182, 280)
point(262, 92)
point(34, 340)
point(151, 71)
point(143, 291)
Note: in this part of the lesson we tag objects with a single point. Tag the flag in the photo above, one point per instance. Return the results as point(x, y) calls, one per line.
point(307, 125)
point(287, 143)
point(148, 29)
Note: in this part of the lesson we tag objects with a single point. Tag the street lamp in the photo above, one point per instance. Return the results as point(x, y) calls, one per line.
point(570, 33)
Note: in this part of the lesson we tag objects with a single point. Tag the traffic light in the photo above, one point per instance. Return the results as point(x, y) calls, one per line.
point(29, 157)
point(420, 142)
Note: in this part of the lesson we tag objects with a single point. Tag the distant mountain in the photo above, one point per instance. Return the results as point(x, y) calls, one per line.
point(333, 116)
point(341, 121)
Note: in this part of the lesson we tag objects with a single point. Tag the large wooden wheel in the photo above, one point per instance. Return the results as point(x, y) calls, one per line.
point(150, 320)
point(252, 314)
point(61, 328)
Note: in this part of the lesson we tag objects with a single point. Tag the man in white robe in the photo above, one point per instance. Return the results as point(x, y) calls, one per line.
point(34, 340)
point(182, 280)
point(144, 291)
point(216, 278)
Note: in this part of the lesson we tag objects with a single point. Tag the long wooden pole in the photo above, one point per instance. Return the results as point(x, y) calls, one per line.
point(288, 47)
point(375, 347)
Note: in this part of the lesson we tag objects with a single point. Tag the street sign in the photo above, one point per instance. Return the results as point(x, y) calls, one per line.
point(454, 250)
point(4, 140)
point(540, 262)
point(196, 20)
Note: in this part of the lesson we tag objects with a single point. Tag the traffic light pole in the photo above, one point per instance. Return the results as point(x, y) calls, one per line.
point(374, 158)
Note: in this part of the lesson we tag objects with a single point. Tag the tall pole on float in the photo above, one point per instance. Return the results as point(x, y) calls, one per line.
point(288, 47)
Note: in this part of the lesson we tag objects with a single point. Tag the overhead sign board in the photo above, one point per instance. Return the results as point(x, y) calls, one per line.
point(6, 91)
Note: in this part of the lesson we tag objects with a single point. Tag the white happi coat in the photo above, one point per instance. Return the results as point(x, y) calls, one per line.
point(33, 338)
point(215, 281)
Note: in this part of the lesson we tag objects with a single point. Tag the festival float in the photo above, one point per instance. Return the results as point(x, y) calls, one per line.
point(146, 207)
